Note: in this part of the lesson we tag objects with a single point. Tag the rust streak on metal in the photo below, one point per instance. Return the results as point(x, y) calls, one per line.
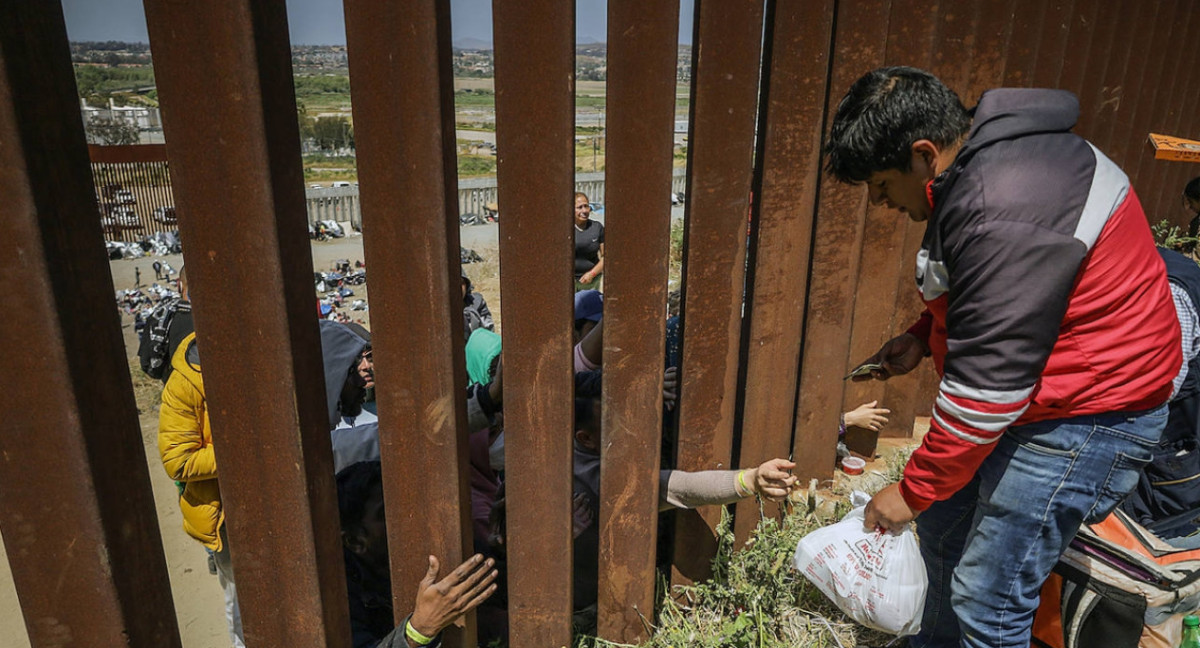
point(1164, 68)
point(726, 60)
point(910, 41)
point(993, 29)
point(1115, 102)
point(642, 53)
point(887, 252)
point(1184, 94)
point(858, 47)
point(1092, 84)
point(1030, 19)
point(77, 513)
point(127, 154)
point(1140, 78)
point(798, 36)
point(401, 82)
point(535, 88)
point(231, 121)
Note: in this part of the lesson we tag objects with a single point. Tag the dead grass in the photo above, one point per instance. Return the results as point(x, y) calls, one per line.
point(485, 276)
point(147, 391)
point(755, 598)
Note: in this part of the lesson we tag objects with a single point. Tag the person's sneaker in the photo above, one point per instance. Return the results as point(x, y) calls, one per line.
point(212, 564)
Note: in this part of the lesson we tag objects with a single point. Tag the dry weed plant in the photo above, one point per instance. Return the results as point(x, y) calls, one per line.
point(755, 598)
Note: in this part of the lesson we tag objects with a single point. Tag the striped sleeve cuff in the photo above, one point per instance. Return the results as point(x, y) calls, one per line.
point(966, 424)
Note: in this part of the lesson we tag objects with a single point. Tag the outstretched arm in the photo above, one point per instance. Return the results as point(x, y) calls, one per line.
point(680, 489)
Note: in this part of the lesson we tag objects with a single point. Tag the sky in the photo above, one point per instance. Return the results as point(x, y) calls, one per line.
point(319, 22)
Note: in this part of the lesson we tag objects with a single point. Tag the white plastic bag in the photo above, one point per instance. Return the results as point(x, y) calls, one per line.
point(876, 578)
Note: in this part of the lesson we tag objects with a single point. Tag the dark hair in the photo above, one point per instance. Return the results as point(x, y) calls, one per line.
point(1192, 189)
point(881, 116)
point(585, 413)
point(356, 483)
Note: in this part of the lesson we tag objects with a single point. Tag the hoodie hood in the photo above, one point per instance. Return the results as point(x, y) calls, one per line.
point(340, 348)
point(1006, 113)
point(467, 280)
point(482, 347)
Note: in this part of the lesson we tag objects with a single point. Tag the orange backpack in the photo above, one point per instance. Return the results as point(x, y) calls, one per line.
point(1119, 586)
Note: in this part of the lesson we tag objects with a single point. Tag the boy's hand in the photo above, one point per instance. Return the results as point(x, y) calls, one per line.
point(897, 356)
point(888, 510)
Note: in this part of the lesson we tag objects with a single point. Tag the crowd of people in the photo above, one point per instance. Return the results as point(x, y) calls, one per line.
point(1058, 330)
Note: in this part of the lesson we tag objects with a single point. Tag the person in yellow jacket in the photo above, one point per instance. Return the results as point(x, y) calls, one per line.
point(185, 444)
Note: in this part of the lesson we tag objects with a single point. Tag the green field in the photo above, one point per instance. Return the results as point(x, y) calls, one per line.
point(99, 81)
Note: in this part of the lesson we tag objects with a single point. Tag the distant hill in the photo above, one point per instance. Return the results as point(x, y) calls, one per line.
point(472, 44)
point(479, 44)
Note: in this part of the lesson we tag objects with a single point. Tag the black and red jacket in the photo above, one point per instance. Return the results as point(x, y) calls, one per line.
point(1045, 296)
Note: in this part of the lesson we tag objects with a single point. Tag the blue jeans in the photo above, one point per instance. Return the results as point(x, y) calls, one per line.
point(989, 548)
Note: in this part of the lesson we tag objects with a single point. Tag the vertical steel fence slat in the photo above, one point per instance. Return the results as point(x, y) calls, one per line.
point(1188, 126)
point(642, 53)
point(1053, 43)
point(1169, 177)
point(140, 169)
point(883, 237)
point(1144, 71)
point(793, 110)
point(78, 514)
point(1082, 21)
point(1165, 70)
point(910, 41)
point(889, 243)
point(1103, 93)
point(880, 259)
point(861, 33)
point(230, 116)
point(1029, 21)
point(954, 44)
point(402, 89)
point(1093, 83)
point(535, 88)
point(725, 74)
point(993, 27)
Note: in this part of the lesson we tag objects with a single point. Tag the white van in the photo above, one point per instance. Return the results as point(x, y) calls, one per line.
point(340, 183)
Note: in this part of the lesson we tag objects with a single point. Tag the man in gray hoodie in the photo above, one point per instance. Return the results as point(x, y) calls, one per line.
point(349, 379)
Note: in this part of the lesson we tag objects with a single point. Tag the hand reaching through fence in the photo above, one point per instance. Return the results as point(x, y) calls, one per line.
point(582, 516)
point(772, 480)
point(440, 602)
point(867, 416)
point(671, 387)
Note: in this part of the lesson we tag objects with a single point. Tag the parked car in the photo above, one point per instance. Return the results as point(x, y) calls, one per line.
point(165, 215)
point(340, 183)
point(315, 186)
point(124, 197)
point(120, 217)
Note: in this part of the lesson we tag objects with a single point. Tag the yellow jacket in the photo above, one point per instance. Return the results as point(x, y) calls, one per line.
point(185, 444)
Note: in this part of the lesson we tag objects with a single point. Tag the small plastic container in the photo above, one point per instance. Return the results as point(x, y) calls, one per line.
point(853, 465)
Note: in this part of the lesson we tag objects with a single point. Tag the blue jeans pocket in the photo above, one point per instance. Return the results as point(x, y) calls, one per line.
point(1122, 479)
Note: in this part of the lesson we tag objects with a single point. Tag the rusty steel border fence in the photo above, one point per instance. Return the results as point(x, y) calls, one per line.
point(789, 279)
point(133, 190)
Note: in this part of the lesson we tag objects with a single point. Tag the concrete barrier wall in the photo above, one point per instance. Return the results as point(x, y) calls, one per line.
point(341, 204)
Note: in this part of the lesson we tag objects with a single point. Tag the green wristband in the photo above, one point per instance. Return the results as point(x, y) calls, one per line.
point(415, 635)
point(741, 478)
